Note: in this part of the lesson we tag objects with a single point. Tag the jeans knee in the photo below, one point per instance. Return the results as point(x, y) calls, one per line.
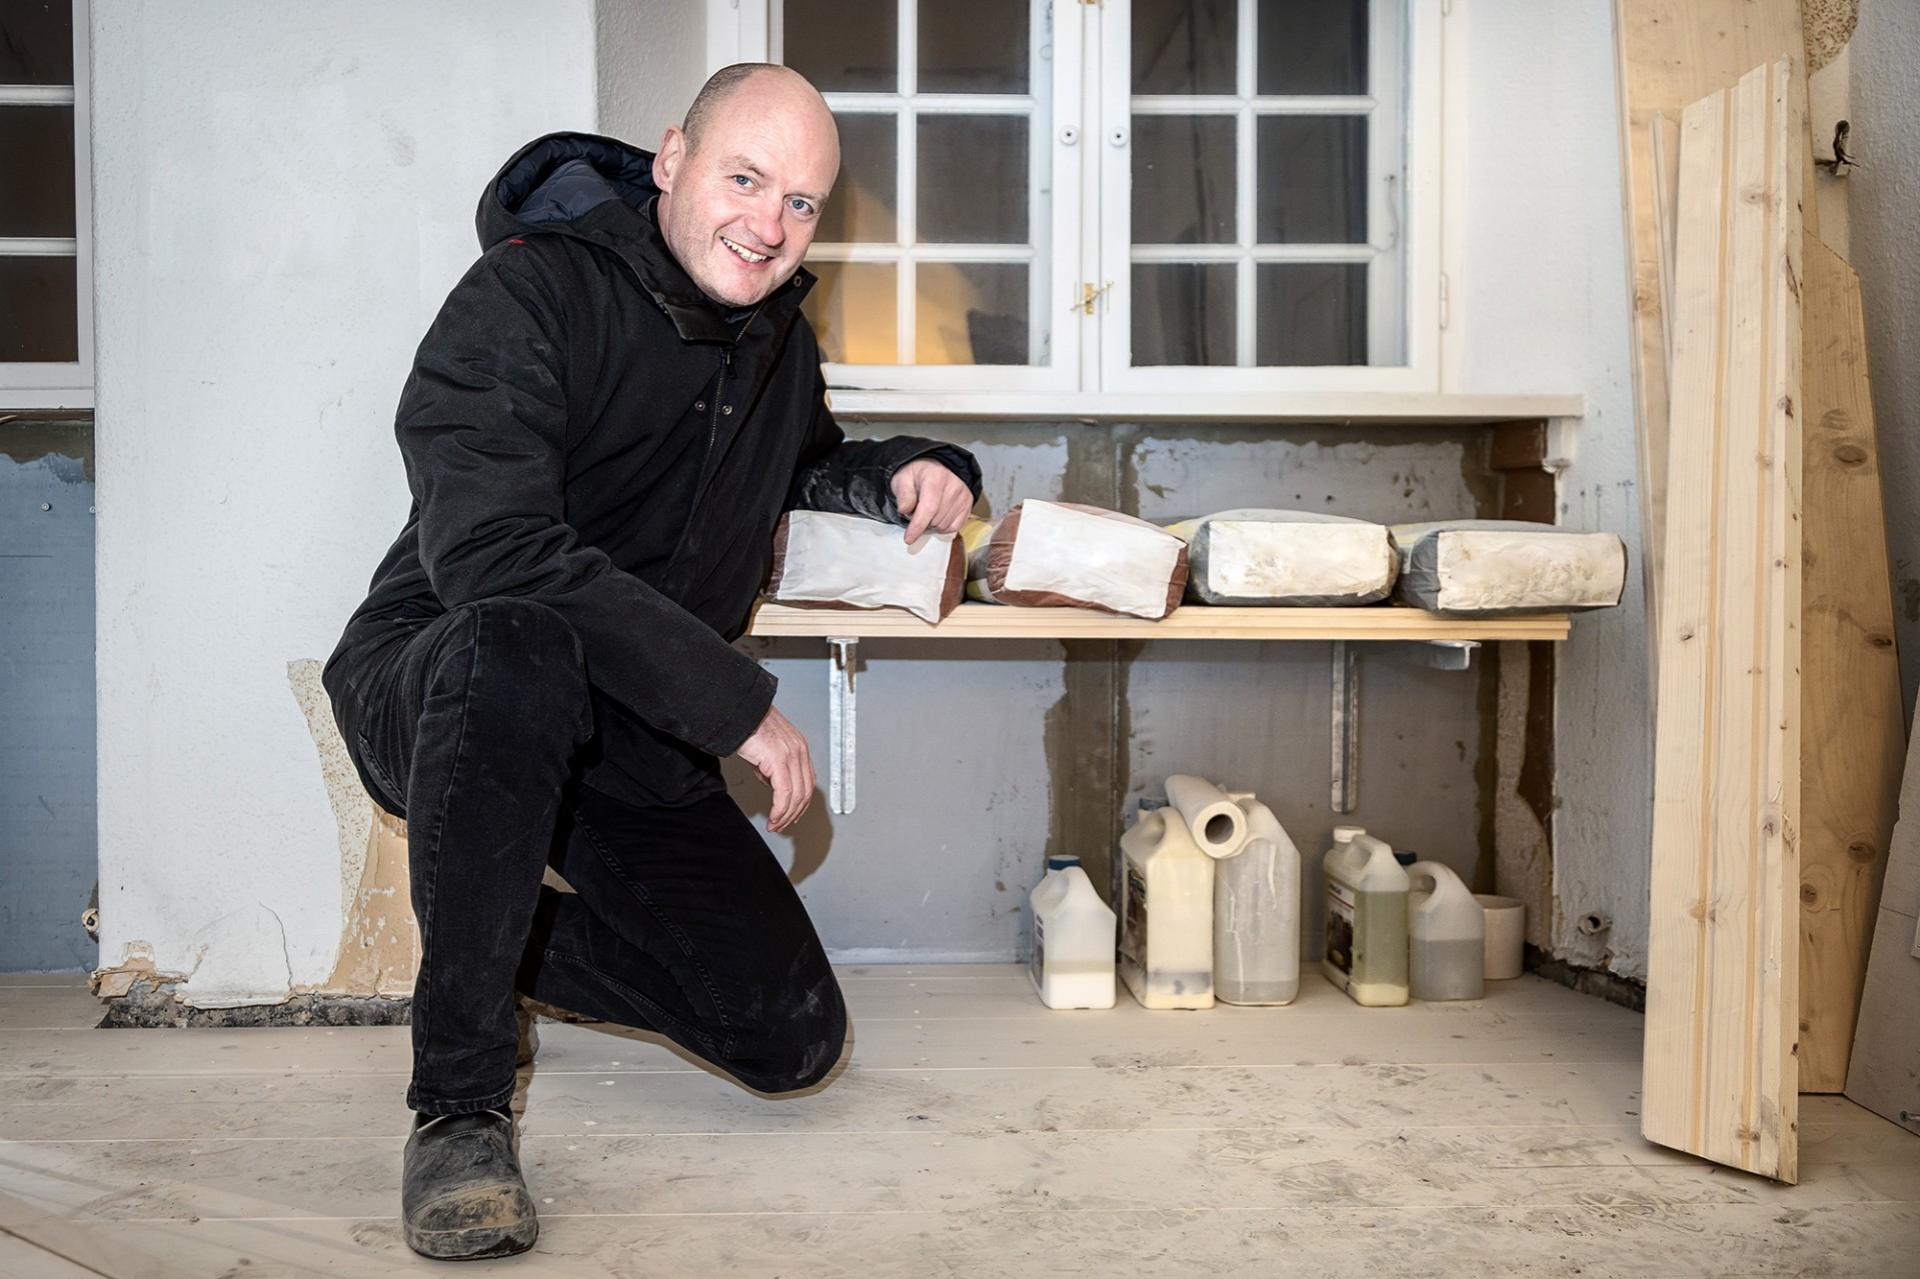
point(808, 1041)
point(530, 659)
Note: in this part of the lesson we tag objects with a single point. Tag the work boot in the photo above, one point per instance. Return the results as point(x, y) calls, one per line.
point(462, 1196)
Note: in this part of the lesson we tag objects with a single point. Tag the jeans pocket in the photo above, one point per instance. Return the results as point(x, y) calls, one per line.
point(386, 792)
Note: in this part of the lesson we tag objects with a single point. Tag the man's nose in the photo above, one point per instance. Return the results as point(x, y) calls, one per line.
point(766, 227)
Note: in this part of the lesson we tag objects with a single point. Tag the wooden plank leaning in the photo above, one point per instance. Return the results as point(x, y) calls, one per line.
point(1720, 1075)
point(1669, 53)
point(1853, 740)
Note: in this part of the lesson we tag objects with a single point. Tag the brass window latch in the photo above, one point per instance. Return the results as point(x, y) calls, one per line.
point(1088, 296)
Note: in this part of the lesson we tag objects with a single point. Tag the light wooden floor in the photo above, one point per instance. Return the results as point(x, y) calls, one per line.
point(971, 1132)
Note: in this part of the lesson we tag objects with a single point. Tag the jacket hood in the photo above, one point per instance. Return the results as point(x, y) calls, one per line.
point(601, 190)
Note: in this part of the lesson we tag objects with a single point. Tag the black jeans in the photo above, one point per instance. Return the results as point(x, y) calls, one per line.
point(682, 921)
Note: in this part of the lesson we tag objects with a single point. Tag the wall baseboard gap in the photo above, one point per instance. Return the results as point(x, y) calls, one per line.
point(1611, 987)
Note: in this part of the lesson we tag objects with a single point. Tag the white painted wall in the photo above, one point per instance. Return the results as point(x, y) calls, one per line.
point(1541, 288)
point(651, 57)
point(283, 196)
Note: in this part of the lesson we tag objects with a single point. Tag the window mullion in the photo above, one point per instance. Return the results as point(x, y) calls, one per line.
point(36, 95)
point(25, 246)
point(1246, 191)
point(1039, 178)
point(907, 141)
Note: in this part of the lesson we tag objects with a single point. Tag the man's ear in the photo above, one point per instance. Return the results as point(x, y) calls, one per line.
point(667, 160)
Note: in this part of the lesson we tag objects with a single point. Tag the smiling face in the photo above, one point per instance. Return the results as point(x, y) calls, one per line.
point(739, 206)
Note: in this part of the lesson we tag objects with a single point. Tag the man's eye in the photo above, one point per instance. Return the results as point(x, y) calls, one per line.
point(743, 179)
point(802, 207)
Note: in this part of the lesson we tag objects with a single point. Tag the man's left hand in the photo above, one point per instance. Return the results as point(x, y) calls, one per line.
point(931, 497)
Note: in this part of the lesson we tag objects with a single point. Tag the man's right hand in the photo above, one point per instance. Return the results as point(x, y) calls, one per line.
point(778, 752)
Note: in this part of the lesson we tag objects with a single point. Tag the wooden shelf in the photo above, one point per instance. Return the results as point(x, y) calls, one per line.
point(1191, 622)
point(1321, 407)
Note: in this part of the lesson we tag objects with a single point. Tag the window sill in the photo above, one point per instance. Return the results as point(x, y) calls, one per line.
point(45, 400)
point(1336, 407)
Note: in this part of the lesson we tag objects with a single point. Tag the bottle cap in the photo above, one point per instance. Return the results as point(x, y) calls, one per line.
point(1060, 861)
point(1404, 857)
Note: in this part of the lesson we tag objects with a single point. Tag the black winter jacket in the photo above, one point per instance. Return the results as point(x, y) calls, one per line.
point(584, 427)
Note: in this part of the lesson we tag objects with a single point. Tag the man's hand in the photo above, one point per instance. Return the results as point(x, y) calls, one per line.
point(931, 497)
point(778, 752)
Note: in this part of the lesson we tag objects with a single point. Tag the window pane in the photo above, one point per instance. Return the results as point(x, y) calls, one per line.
point(973, 179)
point(977, 47)
point(1311, 313)
point(38, 320)
point(1312, 46)
point(853, 310)
point(846, 46)
point(1183, 179)
point(863, 203)
point(1184, 46)
point(1313, 179)
point(36, 157)
point(970, 313)
point(36, 42)
point(1183, 314)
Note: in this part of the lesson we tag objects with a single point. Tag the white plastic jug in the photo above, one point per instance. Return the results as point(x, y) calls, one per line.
point(1072, 961)
point(1446, 936)
point(1256, 913)
point(1166, 913)
point(1366, 952)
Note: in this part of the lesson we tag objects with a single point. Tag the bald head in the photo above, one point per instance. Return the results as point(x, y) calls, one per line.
point(766, 84)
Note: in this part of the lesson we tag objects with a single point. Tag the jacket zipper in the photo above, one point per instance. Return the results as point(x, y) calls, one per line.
point(719, 390)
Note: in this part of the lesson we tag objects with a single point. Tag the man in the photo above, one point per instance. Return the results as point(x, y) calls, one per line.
point(601, 430)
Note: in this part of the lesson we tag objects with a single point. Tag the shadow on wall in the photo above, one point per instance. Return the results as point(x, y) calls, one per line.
point(812, 835)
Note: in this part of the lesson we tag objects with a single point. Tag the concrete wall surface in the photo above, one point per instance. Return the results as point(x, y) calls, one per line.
point(1884, 192)
point(283, 196)
point(47, 858)
point(1543, 295)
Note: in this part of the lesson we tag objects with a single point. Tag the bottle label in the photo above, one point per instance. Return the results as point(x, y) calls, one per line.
point(1340, 906)
point(1133, 930)
point(1038, 964)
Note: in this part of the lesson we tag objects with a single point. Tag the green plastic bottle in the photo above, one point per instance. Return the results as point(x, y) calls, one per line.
point(1366, 890)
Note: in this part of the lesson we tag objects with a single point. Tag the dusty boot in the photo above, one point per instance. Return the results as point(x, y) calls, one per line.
point(462, 1196)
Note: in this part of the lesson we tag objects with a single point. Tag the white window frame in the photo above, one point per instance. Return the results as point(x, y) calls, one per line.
point(61, 385)
point(1091, 209)
point(1053, 166)
point(1412, 298)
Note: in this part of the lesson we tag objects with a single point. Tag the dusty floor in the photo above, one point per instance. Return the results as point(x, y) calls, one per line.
point(970, 1132)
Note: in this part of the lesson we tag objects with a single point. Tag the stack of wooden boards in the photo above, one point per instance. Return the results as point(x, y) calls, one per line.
point(1779, 740)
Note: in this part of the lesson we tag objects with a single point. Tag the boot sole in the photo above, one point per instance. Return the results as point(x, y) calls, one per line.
point(476, 1243)
point(478, 1222)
